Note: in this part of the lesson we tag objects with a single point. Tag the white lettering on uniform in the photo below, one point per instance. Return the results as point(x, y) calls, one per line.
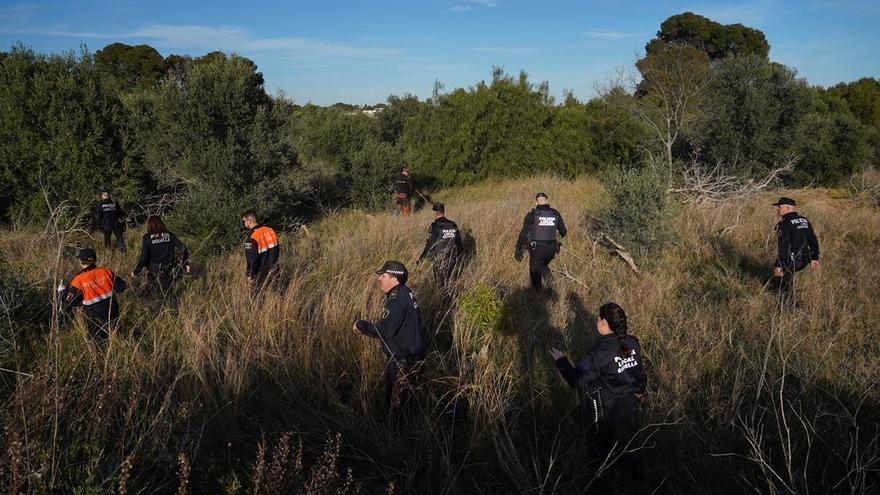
point(547, 221)
point(626, 363)
point(800, 223)
point(161, 238)
point(415, 303)
point(448, 234)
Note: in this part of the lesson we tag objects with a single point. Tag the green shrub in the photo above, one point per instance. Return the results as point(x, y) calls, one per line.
point(641, 209)
point(482, 308)
point(210, 216)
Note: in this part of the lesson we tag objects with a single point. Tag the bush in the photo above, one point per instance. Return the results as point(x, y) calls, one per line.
point(210, 216)
point(482, 308)
point(641, 209)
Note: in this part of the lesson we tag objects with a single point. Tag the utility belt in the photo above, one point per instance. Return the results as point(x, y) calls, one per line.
point(535, 244)
point(162, 268)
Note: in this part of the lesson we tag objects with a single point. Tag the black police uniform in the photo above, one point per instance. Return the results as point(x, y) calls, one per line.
point(618, 380)
point(404, 184)
point(444, 248)
point(158, 257)
point(798, 246)
point(400, 333)
point(539, 234)
point(108, 214)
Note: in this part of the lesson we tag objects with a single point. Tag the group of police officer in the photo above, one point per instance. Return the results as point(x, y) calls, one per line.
point(612, 373)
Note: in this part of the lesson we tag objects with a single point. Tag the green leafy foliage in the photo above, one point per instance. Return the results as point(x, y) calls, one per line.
point(483, 309)
point(640, 210)
point(717, 40)
point(753, 111)
point(511, 127)
point(60, 134)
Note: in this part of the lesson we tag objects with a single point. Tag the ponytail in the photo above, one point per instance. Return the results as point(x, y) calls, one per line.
point(616, 318)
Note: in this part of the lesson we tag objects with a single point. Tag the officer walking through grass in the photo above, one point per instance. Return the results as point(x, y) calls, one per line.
point(612, 374)
point(109, 215)
point(797, 246)
point(159, 249)
point(538, 234)
point(399, 331)
point(261, 251)
point(443, 245)
point(403, 191)
point(95, 289)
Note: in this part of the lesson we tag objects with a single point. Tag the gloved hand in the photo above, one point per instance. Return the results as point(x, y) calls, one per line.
point(518, 254)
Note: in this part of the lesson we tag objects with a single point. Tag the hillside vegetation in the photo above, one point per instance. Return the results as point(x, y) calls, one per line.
point(215, 393)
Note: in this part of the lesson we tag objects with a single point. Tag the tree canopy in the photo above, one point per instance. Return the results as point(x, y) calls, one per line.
point(717, 40)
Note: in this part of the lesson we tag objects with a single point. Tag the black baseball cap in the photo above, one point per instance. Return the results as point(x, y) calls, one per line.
point(395, 268)
point(438, 206)
point(541, 195)
point(785, 201)
point(87, 254)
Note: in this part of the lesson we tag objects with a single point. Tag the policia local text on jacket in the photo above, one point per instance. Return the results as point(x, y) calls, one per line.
point(400, 334)
point(261, 250)
point(443, 246)
point(94, 288)
point(108, 214)
point(158, 256)
point(618, 380)
point(798, 247)
point(539, 235)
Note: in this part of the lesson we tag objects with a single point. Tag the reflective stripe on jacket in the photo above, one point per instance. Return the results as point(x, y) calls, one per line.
point(96, 284)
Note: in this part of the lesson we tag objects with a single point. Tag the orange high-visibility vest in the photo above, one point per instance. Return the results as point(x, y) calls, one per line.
point(96, 284)
point(265, 237)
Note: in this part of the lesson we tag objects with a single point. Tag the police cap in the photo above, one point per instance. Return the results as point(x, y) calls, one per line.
point(785, 201)
point(541, 195)
point(438, 206)
point(395, 269)
point(87, 254)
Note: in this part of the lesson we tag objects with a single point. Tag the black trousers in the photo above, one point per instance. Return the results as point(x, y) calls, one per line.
point(162, 276)
point(120, 241)
point(618, 411)
point(399, 376)
point(444, 269)
point(786, 281)
point(262, 280)
point(540, 256)
point(99, 317)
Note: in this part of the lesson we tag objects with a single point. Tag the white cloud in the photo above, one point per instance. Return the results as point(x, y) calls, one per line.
point(465, 5)
point(504, 49)
point(230, 38)
point(612, 35)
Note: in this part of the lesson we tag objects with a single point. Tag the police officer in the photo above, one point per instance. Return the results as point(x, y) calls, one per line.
point(798, 246)
point(612, 373)
point(399, 331)
point(108, 214)
point(261, 250)
point(95, 289)
point(404, 189)
point(539, 235)
point(443, 245)
point(158, 255)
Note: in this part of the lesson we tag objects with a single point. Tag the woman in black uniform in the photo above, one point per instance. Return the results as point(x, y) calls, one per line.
point(613, 369)
point(158, 254)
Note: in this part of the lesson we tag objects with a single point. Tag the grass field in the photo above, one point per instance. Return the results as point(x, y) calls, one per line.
point(214, 393)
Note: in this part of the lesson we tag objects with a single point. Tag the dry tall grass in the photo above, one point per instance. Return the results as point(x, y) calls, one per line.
point(193, 395)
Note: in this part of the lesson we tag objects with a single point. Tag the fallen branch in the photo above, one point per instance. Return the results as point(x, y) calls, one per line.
point(707, 184)
point(621, 251)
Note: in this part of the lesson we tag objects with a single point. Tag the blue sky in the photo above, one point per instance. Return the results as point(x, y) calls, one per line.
point(361, 52)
